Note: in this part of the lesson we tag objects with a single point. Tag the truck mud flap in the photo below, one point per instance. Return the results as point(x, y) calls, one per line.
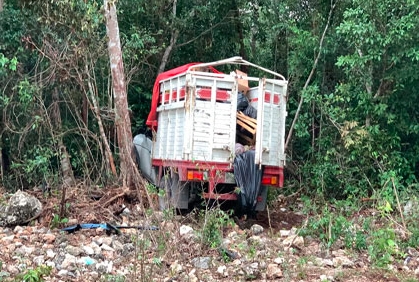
point(248, 178)
point(263, 196)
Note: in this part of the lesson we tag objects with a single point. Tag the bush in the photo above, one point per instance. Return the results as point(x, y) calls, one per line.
point(215, 220)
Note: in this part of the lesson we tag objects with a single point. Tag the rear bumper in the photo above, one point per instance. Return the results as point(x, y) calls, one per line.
point(215, 172)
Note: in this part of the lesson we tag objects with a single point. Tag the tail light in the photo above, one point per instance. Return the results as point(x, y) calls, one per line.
point(195, 175)
point(269, 180)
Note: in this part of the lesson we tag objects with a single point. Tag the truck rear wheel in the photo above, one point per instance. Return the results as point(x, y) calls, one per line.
point(175, 193)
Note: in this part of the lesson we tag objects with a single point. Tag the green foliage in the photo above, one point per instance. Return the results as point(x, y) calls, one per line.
point(383, 247)
point(338, 225)
point(113, 278)
point(36, 165)
point(214, 222)
point(332, 226)
point(26, 93)
point(327, 227)
point(411, 218)
point(353, 133)
point(57, 221)
point(379, 59)
point(6, 63)
point(152, 189)
point(35, 275)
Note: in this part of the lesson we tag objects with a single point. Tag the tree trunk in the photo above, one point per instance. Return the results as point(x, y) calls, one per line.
point(239, 28)
point(173, 39)
point(122, 119)
point(85, 110)
point(1, 5)
point(109, 157)
point(168, 50)
point(310, 76)
point(1, 163)
point(66, 169)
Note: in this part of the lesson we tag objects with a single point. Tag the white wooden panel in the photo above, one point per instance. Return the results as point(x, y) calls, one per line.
point(271, 136)
point(171, 106)
point(209, 82)
point(161, 134)
point(212, 130)
point(173, 83)
point(223, 106)
point(223, 128)
point(273, 123)
point(221, 141)
point(170, 134)
point(222, 138)
point(221, 156)
point(200, 150)
point(203, 129)
point(180, 124)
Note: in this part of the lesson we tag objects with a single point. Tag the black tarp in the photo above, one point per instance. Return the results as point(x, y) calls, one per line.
point(244, 106)
point(248, 178)
point(242, 101)
point(250, 112)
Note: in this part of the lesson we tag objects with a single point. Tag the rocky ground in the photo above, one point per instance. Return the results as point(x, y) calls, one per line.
point(265, 249)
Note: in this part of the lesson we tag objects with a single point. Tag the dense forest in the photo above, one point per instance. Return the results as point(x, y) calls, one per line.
point(353, 97)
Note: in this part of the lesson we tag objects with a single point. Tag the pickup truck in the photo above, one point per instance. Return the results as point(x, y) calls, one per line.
point(198, 133)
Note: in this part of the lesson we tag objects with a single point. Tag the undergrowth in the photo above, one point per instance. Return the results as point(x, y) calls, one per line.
point(214, 220)
point(384, 228)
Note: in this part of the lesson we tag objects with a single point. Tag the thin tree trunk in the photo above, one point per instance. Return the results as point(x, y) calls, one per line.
point(310, 75)
point(109, 159)
point(254, 30)
point(1, 5)
point(173, 39)
point(239, 27)
point(168, 50)
point(368, 87)
point(1, 165)
point(66, 169)
point(85, 110)
point(122, 119)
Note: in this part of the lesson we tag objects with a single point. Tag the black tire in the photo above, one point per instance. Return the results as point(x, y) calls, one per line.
point(175, 193)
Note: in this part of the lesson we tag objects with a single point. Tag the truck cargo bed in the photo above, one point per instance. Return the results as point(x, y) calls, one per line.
point(196, 127)
point(204, 123)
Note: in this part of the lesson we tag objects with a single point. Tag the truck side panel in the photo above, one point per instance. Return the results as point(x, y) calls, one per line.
point(273, 117)
point(197, 119)
point(169, 140)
